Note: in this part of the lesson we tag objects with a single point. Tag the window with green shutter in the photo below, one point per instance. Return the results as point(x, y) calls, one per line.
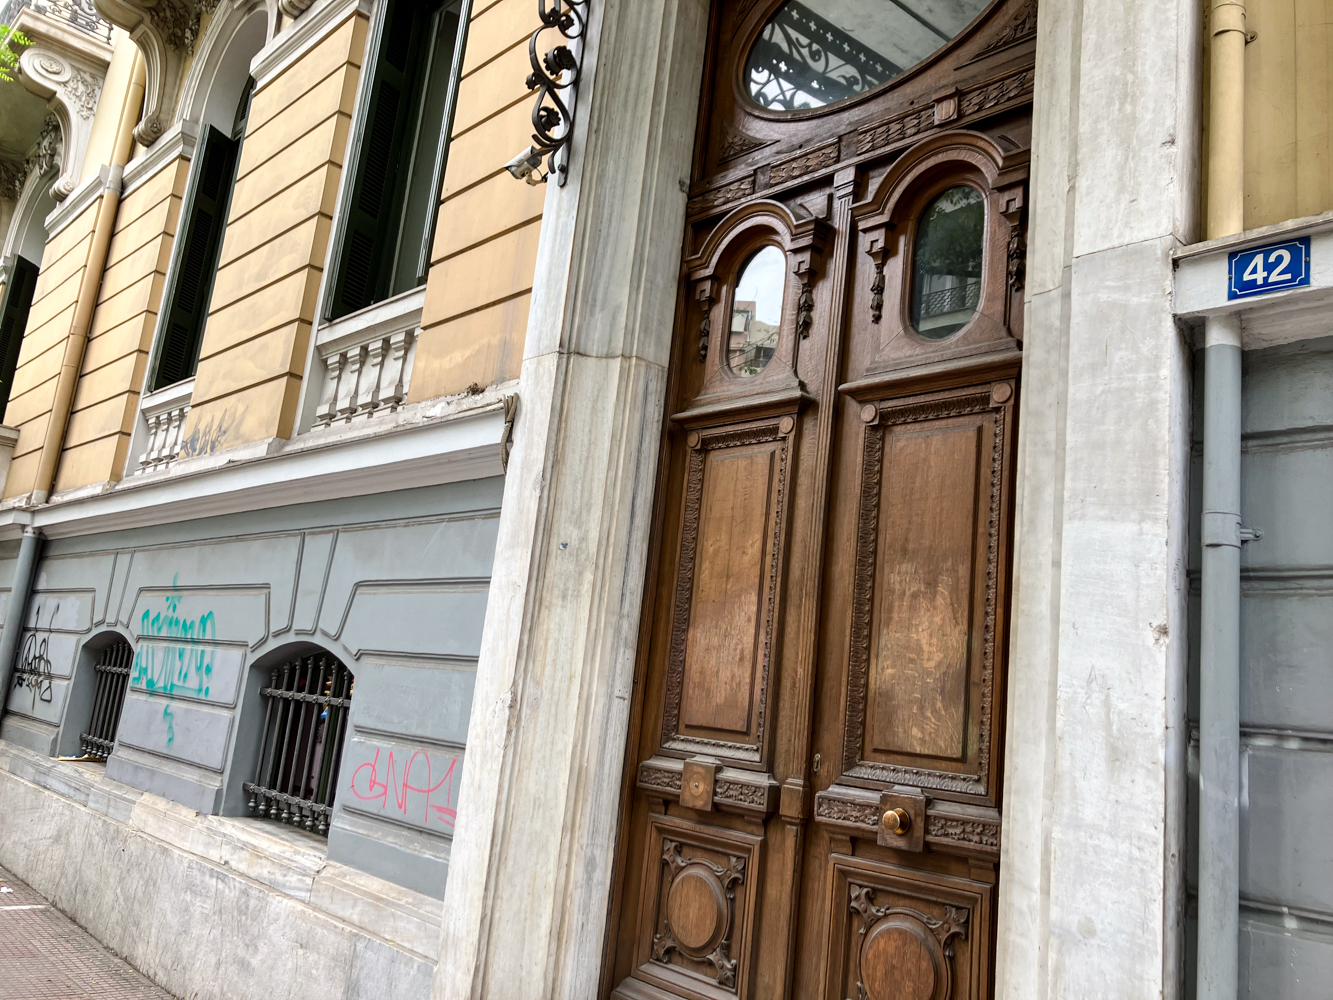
point(13, 321)
point(390, 213)
point(198, 245)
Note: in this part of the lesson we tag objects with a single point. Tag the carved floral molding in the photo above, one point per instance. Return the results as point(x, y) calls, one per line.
point(165, 31)
point(66, 69)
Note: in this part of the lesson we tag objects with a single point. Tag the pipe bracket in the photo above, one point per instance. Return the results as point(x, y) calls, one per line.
point(1220, 527)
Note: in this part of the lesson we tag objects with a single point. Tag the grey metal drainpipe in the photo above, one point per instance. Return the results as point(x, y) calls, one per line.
point(29, 548)
point(1219, 659)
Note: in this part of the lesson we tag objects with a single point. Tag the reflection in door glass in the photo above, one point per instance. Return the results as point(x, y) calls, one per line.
point(947, 284)
point(817, 52)
point(756, 312)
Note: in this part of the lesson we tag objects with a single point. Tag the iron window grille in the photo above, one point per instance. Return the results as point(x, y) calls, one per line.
point(112, 671)
point(305, 722)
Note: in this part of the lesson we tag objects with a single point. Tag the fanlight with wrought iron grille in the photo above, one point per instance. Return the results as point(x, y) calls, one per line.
point(817, 52)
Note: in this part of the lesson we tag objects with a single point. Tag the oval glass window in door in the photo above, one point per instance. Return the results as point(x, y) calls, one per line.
point(817, 52)
point(946, 280)
point(756, 312)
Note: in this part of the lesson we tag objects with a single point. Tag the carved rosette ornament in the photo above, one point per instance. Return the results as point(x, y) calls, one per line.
point(294, 8)
point(165, 31)
point(916, 945)
point(700, 906)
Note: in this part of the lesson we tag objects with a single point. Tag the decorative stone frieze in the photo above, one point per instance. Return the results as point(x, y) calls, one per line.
point(165, 31)
point(47, 152)
point(12, 177)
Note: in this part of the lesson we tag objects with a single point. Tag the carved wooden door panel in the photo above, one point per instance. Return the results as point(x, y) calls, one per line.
point(812, 803)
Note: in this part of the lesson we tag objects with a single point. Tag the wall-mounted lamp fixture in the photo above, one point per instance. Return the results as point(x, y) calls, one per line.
point(555, 76)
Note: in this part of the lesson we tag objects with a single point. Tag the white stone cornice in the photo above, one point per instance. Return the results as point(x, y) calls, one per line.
point(73, 206)
point(178, 142)
point(309, 28)
point(457, 445)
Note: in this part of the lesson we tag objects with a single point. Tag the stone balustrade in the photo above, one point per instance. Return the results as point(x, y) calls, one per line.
point(365, 380)
point(164, 412)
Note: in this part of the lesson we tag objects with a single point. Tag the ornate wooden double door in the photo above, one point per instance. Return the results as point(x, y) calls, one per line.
point(812, 805)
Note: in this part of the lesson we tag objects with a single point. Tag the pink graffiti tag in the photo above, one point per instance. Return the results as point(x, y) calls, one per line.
point(377, 790)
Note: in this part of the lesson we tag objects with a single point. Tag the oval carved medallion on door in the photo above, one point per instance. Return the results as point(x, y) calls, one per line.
point(814, 801)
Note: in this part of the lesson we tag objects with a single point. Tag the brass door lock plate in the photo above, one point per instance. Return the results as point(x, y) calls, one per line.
point(696, 783)
point(902, 823)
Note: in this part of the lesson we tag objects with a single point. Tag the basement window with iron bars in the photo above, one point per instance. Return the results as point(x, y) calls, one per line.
point(112, 676)
point(305, 722)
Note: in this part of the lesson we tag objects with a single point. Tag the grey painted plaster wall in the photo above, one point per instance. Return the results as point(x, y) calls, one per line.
point(1286, 863)
point(394, 585)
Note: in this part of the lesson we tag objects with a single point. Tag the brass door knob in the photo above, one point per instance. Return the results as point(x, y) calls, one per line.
point(897, 821)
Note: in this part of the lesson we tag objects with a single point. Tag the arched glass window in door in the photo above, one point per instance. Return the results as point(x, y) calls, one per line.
point(946, 283)
point(817, 52)
point(756, 312)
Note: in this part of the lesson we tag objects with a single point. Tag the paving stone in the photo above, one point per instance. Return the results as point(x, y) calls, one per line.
point(46, 956)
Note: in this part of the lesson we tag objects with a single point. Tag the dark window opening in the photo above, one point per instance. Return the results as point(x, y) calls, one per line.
point(305, 722)
point(112, 673)
point(390, 214)
point(198, 246)
point(13, 321)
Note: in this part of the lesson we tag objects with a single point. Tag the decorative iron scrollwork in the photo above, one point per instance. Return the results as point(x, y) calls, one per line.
point(555, 76)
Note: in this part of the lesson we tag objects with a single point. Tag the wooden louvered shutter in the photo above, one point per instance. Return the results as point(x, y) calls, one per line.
point(13, 321)
point(365, 263)
point(198, 243)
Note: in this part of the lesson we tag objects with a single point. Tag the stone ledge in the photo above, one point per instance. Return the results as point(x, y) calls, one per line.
point(66, 828)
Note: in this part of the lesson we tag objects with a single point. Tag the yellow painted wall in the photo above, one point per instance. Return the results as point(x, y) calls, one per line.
point(102, 139)
point(264, 300)
point(1288, 110)
point(253, 355)
point(485, 250)
point(43, 348)
point(106, 401)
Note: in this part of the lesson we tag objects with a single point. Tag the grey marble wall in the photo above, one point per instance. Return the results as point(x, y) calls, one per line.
point(394, 585)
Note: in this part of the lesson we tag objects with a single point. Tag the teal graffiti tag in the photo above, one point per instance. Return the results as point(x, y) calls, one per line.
point(170, 718)
point(175, 669)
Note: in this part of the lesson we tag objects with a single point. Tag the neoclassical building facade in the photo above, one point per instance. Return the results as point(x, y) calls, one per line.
point(672, 498)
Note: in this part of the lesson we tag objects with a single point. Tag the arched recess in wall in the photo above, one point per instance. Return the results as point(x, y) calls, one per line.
point(96, 697)
point(235, 33)
point(214, 105)
point(23, 252)
point(293, 723)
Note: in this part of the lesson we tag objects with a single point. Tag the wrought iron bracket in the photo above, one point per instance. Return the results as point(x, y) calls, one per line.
point(555, 77)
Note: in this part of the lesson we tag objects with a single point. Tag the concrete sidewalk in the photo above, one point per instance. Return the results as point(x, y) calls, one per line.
point(46, 956)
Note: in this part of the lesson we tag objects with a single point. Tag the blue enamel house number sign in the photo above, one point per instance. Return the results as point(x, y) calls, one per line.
point(1269, 269)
